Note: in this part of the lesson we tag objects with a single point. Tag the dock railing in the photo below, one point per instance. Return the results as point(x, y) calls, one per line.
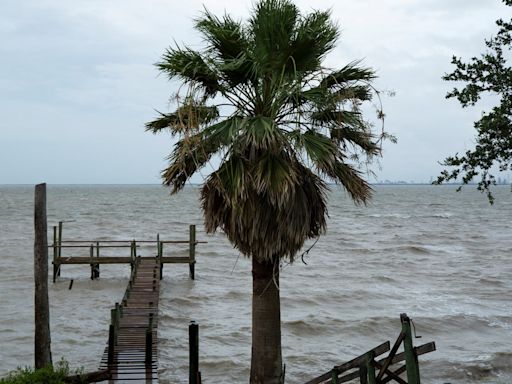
point(95, 255)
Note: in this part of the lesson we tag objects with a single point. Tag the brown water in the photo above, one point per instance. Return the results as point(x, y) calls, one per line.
point(442, 257)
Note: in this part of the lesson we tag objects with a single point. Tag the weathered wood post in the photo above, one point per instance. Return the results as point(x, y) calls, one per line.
point(159, 251)
point(411, 360)
point(60, 244)
point(97, 266)
point(334, 375)
point(111, 344)
point(370, 368)
point(192, 250)
point(133, 254)
point(193, 339)
point(363, 374)
point(42, 340)
point(55, 266)
point(91, 255)
point(149, 342)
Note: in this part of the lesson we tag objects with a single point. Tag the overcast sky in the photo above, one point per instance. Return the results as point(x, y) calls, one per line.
point(77, 81)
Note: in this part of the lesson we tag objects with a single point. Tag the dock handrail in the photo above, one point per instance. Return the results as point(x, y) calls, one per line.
point(95, 258)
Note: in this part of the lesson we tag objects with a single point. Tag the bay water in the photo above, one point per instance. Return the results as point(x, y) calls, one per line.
point(442, 257)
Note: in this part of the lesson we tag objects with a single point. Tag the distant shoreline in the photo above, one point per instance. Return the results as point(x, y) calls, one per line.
point(198, 184)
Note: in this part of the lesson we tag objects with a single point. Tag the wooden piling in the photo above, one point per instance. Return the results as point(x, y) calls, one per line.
point(370, 368)
point(97, 266)
point(192, 250)
point(149, 342)
point(91, 254)
point(334, 376)
point(60, 241)
point(111, 344)
point(55, 265)
point(193, 337)
point(42, 339)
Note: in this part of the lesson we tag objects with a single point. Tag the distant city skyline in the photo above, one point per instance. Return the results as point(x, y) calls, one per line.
point(78, 82)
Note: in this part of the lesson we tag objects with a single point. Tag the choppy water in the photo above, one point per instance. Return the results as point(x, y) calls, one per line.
point(445, 258)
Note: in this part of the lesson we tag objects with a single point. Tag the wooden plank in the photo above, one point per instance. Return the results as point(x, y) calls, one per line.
point(354, 363)
point(175, 260)
point(95, 260)
point(392, 354)
point(421, 350)
point(115, 260)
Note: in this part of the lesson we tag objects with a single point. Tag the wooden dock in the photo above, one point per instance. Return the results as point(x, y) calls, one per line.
point(132, 349)
point(131, 353)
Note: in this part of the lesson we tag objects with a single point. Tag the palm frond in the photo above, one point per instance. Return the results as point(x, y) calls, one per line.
point(256, 226)
point(187, 116)
point(357, 187)
point(349, 73)
point(363, 139)
point(275, 175)
point(227, 42)
point(192, 152)
point(191, 67)
point(260, 134)
point(271, 29)
point(315, 36)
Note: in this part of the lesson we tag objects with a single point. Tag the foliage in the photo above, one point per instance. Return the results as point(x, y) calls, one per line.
point(258, 98)
point(48, 375)
point(490, 73)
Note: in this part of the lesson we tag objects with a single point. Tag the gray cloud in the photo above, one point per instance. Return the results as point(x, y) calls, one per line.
point(78, 82)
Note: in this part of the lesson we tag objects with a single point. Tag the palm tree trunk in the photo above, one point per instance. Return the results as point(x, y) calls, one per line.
point(266, 360)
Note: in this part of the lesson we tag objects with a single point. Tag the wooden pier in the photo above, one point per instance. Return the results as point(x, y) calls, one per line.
point(131, 353)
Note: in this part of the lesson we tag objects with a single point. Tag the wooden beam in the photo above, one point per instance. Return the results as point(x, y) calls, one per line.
point(354, 363)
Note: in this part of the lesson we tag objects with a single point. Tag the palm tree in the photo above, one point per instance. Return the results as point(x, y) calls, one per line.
point(258, 100)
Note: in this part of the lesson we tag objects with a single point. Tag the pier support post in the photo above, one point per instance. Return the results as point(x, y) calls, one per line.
point(159, 252)
point(60, 246)
point(95, 268)
point(193, 338)
point(42, 340)
point(411, 360)
point(111, 344)
point(55, 265)
point(370, 368)
point(192, 250)
point(334, 375)
point(149, 342)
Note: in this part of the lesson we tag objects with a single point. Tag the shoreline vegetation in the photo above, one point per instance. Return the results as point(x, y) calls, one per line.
point(49, 375)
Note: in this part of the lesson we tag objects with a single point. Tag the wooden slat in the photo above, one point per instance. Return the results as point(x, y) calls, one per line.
point(94, 260)
point(421, 350)
point(116, 260)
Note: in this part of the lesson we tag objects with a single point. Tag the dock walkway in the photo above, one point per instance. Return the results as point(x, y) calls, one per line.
point(131, 353)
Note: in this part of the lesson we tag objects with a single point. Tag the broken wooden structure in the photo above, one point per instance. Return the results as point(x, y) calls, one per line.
point(372, 368)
